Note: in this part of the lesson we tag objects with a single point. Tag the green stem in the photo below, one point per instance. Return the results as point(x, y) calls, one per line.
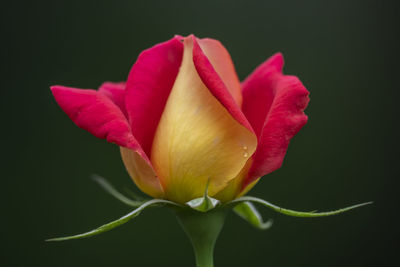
point(202, 229)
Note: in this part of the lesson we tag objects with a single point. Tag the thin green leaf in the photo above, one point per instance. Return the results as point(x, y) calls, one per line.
point(248, 212)
point(204, 203)
point(296, 213)
point(112, 191)
point(120, 221)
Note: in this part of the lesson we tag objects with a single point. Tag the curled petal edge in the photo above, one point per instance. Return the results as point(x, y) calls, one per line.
point(216, 86)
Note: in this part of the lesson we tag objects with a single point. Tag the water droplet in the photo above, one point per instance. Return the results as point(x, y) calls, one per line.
point(245, 147)
point(245, 154)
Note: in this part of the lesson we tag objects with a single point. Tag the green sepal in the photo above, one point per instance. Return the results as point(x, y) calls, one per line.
point(204, 203)
point(293, 212)
point(112, 191)
point(120, 221)
point(248, 212)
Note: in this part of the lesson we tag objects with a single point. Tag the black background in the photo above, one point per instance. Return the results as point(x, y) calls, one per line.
point(346, 54)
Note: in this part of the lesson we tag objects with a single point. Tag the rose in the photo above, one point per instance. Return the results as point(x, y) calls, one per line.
point(184, 122)
point(192, 136)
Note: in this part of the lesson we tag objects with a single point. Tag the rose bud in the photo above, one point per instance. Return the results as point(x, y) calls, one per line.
point(184, 122)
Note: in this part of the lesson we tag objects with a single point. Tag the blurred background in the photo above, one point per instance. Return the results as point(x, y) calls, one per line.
point(346, 54)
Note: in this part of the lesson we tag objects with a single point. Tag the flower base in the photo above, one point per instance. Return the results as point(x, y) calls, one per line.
point(203, 229)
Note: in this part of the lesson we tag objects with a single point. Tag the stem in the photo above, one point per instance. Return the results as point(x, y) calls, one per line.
point(202, 229)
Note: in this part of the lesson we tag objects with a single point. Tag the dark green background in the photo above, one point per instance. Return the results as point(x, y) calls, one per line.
point(345, 52)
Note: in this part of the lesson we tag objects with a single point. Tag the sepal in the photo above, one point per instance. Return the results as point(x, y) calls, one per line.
point(120, 221)
point(293, 212)
point(115, 193)
point(204, 203)
point(249, 213)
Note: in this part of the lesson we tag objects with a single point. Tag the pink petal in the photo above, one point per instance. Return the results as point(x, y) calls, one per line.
point(222, 62)
point(149, 84)
point(258, 91)
point(216, 86)
point(96, 113)
point(274, 104)
point(116, 92)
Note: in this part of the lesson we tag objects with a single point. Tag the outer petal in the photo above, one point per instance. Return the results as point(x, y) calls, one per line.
point(259, 91)
point(197, 139)
point(97, 113)
point(148, 87)
point(222, 62)
point(284, 98)
point(116, 92)
point(216, 86)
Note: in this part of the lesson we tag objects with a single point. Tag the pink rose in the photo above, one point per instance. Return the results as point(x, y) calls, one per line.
point(183, 120)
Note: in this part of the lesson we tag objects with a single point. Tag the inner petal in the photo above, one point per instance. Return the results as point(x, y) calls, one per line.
point(197, 140)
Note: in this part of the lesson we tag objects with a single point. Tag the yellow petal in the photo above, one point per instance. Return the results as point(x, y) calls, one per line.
point(197, 139)
point(234, 188)
point(141, 173)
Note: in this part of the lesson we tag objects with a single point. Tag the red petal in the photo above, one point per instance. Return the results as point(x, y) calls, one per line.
point(116, 92)
point(149, 84)
point(96, 113)
point(274, 104)
point(258, 91)
point(222, 62)
point(216, 86)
